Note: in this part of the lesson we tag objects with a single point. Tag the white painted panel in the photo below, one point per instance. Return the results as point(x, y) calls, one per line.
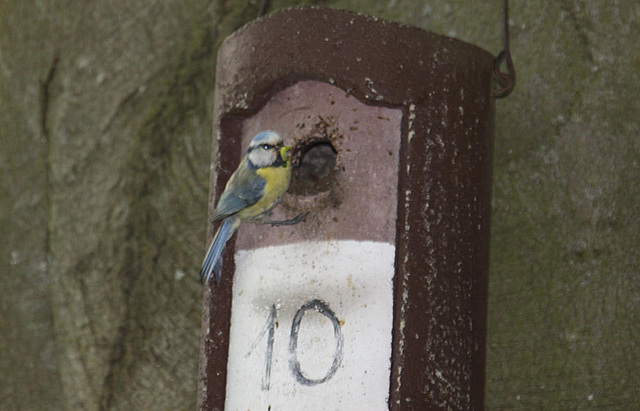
point(275, 289)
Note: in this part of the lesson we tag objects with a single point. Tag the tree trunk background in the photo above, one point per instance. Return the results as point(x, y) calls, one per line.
point(105, 143)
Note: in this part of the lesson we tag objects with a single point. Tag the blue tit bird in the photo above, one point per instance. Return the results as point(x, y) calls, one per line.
point(253, 190)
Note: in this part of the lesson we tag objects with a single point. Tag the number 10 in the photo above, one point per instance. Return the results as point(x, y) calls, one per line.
point(294, 364)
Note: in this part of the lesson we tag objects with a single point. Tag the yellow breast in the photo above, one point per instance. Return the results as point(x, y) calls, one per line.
point(276, 184)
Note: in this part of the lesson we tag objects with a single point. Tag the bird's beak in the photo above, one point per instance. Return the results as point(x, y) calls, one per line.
point(284, 153)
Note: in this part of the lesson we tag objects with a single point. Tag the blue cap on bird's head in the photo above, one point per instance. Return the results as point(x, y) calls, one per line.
point(265, 137)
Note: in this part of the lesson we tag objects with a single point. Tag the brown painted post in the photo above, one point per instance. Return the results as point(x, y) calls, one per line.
point(393, 127)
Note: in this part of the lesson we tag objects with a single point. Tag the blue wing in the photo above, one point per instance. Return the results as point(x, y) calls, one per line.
point(244, 189)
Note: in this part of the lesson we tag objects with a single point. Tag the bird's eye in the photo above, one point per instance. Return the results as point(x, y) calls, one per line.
point(266, 147)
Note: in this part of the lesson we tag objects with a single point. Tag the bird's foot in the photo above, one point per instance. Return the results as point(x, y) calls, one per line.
point(292, 221)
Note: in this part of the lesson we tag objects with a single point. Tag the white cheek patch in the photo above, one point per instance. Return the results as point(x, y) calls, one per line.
point(261, 157)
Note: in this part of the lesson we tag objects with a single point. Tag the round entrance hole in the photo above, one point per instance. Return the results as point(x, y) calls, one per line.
point(314, 162)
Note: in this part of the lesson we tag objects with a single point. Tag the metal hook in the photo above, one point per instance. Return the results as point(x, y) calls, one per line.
point(506, 81)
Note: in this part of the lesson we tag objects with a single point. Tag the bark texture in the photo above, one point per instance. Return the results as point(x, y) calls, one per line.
point(105, 141)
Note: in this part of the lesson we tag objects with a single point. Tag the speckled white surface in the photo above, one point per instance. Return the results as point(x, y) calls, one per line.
point(354, 279)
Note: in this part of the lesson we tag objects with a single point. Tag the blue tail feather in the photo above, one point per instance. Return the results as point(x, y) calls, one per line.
point(212, 262)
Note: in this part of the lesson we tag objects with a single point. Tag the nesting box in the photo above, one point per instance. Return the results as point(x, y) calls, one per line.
point(378, 299)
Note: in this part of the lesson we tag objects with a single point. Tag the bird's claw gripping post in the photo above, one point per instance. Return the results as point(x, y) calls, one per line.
point(292, 221)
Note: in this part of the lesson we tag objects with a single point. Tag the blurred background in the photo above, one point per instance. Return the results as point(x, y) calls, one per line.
point(105, 142)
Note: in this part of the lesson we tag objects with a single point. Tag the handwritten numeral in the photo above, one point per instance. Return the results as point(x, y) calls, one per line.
point(269, 330)
point(294, 364)
point(270, 327)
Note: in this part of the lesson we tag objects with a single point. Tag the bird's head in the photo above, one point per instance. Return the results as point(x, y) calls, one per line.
point(267, 150)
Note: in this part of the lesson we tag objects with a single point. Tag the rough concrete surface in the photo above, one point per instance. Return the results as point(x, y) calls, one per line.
point(105, 141)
